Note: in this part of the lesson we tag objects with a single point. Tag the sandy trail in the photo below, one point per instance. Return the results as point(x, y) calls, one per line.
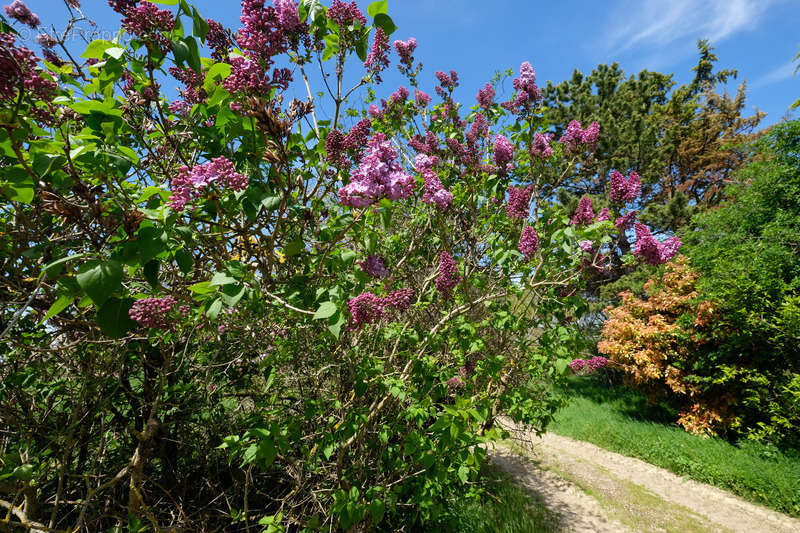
point(595, 490)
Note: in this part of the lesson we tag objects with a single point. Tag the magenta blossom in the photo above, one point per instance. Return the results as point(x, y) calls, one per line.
point(623, 190)
point(519, 201)
point(20, 12)
point(541, 146)
point(625, 222)
point(585, 213)
point(576, 137)
point(422, 99)
point(378, 176)
point(528, 243)
point(448, 275)
point(651, 251)
point(503, 151)
point(486, 96)
point(375, 266)
point(528, 94)
point(153, 312)
point(435, 193)
point(378, 60)
point(189, 184)
point(588, 365)
point(406, 50)
point(603, 216)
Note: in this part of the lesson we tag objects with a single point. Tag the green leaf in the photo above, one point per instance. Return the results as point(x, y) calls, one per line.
point(151, 241)
point(61, 303)
point(113, 317)
point(325, 310)
point(204, 287)
point(165, 2)
point(99, 279)
point(221, 278)
point(151, 272)
point(19, 185)
point(382, 20)
point(380, 6)
point(116, 52)
point(213, 310)
point(43, 163)
point(97, 49)
point(217, 71)
point(294, 248)
point(463, 473)
point(376, 509)
point(194, 54)
point(199, 25)
point(231, 294)
point(184, 260)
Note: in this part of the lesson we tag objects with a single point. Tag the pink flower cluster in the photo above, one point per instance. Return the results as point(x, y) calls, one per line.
point(541, 145)
point(122, 6)
point(447, 82)
point(585, 213)
point(651, 251)
point(149, 23)
point(435, 193)
point(18, 63)
point(624, 190)
point(586, 246)
point(528, 94)
point(218, 40)
point(345, 14)
point(378, 59)
point(406, 50)
point(625, 222)
point(448, 276)
point(375, 266)
point(46, 40)
point(575, 136)
point(246, 76)
point(189, 184)
point(503, 153)
point(153, 312)
point(422, 99)
point(588, 365)
point(486, 96)
point(21, 13)
point(378, 176)
point(366, 308)
point(519, 201)
point(528, 242)
point(193, 92)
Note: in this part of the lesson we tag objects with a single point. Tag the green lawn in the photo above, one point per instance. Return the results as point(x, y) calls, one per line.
point(504, 508)
point(620, 420)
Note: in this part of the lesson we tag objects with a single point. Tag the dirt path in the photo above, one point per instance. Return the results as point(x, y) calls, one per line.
point(600, 491)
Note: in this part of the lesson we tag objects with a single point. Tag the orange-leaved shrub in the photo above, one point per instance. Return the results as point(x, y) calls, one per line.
point(658, 341)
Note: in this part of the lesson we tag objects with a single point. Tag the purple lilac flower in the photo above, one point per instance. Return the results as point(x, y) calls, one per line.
point(357, 137)
point(448, 275)
point(435, 192)
point(519, 201)
point(51, 57)
point(399, 96)
point(345, 14)
point(541, 146)
point(603, 216)
point(375, 266)
point(20, 12)
point(153, 312)
point(455, 383)
point(366, 308)
point(587, 246)
point(503, 152)
point(400, 299)
point(528, 94)
point(375, 112)
point(486, 96)
point(588, 365)
point(625, 222)
point(623, 190)
point(46, 40)
point(379, 175)
point(447, 81)
point(122, 6)
point(335, 148)
point(18, 64)
point(218, 40)
point(378, 59)
point(528, 242)
point(422, 99)
point(193, 92)
point(425, 145)
point(246, 76)
point(585, 213)
point(150, 23)
point(288, 15)
point(575, 136)
point(651, 251)
point(189, 184)
point(406, 50)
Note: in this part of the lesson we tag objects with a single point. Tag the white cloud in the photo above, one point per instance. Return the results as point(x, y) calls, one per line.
point(778, 74)
point(659, 23)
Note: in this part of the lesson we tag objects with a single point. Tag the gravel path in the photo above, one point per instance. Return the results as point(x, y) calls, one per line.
point(595, 490)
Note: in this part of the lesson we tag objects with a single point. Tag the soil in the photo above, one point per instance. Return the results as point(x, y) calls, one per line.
point(592, 489)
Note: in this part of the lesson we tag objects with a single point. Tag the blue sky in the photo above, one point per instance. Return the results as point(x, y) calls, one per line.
point(759, 38)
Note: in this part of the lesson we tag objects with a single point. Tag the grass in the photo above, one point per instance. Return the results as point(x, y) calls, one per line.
point(503, 508)
point(620, 420)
